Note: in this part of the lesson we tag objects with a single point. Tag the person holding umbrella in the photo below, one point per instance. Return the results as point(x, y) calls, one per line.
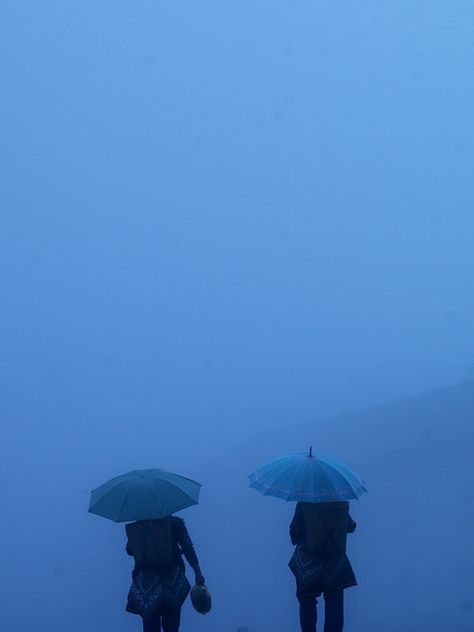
point(157, 540)
point(322, 487)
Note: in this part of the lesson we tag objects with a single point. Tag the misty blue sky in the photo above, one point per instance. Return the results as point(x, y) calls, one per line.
point(245, 208)
point(219, 215)
point(218, 219)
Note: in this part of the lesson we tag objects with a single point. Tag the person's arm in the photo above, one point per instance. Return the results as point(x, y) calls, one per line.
point(189, 553)
point(351, 524)
point(297, 533)
point(129, 552)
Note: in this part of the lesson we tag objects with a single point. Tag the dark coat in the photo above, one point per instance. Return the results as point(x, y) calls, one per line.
point(181, 544)
point(320, 564)
point(158, 579)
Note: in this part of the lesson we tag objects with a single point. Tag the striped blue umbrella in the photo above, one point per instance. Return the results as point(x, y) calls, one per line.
point(143, 495)
point(312, 478)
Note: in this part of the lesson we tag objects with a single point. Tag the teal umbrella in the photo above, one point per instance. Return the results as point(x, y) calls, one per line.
point(143, 495)
point(312, 478)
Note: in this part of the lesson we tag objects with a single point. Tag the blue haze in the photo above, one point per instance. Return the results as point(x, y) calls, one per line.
point(220, 222)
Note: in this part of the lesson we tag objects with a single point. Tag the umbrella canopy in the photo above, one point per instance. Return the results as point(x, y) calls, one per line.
point(312, 478)
point(143, 495)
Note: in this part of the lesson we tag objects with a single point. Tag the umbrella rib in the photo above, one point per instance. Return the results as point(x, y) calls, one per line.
point(154, 495)
point(279, 475)
point(109, 491)
point(338, 474)
point(312, 464)
point(295, 476)
point(124, 499)
point(175, 488)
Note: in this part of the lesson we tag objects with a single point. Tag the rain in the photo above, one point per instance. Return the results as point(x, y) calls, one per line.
point(231, 231)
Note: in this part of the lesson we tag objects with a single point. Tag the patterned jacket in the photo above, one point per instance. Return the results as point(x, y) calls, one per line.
point(327, 568)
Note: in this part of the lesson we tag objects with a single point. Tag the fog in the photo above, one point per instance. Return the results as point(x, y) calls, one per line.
point(229, 230)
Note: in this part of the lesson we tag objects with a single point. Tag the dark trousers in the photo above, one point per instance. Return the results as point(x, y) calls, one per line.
point(333, 611)
point(165, 619)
